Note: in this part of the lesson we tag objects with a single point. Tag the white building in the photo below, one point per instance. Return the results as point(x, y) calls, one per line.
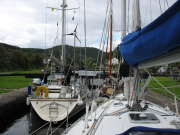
point(114, 61)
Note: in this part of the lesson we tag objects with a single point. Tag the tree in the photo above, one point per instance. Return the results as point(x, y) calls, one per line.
point(116, 53)
point(25, 62)
point(16, 56)
point(37, 60)
point(2, 52)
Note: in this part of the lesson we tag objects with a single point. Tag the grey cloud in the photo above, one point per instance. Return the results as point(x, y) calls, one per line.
point(31, 30)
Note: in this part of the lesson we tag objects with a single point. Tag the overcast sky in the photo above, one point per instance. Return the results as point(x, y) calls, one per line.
point(29, 24)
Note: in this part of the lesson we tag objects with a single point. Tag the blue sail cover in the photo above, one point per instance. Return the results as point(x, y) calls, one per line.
point(150, 131)
point(155, 39)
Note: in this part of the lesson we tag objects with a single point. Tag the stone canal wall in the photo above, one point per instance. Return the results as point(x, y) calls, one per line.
point(12, 102)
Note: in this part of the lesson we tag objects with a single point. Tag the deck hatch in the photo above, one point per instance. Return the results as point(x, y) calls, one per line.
point(151, 118)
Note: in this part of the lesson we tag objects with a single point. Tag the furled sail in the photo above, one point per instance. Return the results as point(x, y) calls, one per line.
point(157, 38)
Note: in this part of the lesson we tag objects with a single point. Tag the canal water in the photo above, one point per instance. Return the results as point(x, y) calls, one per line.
point(26, 121)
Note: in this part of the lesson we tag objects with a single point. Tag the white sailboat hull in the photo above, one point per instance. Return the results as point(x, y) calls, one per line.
point(55, 108)
point(59, 112)
point(109, 122)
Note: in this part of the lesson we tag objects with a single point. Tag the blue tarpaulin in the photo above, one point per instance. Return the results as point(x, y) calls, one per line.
point(158, 37)
point(146, 130)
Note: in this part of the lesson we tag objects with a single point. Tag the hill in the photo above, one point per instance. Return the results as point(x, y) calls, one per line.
point(16, 58)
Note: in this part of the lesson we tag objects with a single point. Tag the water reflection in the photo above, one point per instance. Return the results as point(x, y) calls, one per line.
point(27, 121)
point(15, 123)
point(35, 122)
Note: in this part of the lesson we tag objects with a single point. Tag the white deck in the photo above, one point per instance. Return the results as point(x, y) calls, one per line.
point(111, 124)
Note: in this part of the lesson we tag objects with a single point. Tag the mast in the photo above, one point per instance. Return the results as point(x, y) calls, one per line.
point(64, 5)
point(136, 15)
point(74, 55)
point(123, 18)
point(136, 25)
point(85, 40)
point(110, 40)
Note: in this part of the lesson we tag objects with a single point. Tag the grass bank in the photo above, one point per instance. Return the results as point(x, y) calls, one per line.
point(172, 90)
point(167, 82)
point(16, 82)
point(4, 91)
point(33, 71)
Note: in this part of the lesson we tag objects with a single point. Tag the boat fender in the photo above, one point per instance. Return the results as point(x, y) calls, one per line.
point(42, 88)
point(29, 89)
point(28, 100)
point(42, 83)
point(80, 102)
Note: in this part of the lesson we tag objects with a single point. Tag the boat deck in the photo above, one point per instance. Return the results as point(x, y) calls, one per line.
point(113, 117)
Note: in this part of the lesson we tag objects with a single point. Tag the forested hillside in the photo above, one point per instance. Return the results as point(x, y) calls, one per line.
point(13, 58)
point(16, 58)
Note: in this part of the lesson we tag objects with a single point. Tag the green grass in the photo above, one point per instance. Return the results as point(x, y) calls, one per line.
point(16, 82)
point(33, 71)
point(4, 91)
point(163, 91)
point(166, 82)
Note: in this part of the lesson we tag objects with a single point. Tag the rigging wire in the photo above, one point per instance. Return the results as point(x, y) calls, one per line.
point(106, 51)
point(174, 95)
point(67, 37)
point(104, 40)
point(59, 42)
point(107, 29)
point(150, 11)
point(85, 38)
point(145, 12)
point(114, 43)
point(167, 3)
point(110, 54)
point(45, 35)
point(101, 39)
point(162, 85)
point(107, 34)
point(135, 85)
point(80, 37)
point(128, 17)
point(160, 6)
point(51, 29)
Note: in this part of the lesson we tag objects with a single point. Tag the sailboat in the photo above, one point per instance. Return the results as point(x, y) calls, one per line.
point(109, 85)
point(54, 101)
point(156, 44)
